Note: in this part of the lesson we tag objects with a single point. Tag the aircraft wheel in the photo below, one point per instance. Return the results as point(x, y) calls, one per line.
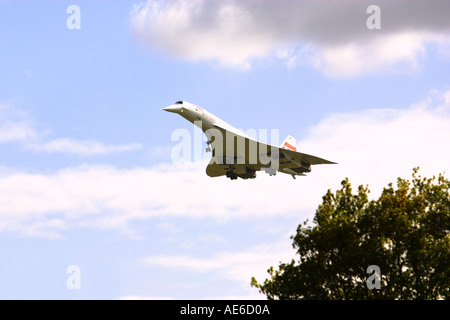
point(232, 175)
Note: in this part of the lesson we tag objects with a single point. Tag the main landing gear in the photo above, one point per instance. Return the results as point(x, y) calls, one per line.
point(231, 174)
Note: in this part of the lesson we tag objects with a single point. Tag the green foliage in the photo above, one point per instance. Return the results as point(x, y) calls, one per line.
point(405, 232)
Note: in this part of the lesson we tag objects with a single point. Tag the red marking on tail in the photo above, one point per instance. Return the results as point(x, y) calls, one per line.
point(287, 145)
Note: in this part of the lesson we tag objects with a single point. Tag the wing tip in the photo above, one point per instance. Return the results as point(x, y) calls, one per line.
point(328, 162)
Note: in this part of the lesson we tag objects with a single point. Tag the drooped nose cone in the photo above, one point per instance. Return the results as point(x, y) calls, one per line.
point(175, 108)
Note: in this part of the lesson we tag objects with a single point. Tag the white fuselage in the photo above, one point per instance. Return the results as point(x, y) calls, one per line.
point(201, 118)
point(235, 154)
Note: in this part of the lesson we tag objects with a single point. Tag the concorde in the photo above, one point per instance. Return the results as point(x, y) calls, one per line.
point(235, 154)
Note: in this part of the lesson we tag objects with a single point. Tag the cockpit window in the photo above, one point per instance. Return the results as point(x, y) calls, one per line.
point(179, 102)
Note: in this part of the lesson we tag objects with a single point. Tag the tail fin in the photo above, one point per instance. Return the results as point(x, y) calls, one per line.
point(289, 143)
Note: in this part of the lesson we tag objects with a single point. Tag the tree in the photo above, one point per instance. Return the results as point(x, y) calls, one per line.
point(404, 233)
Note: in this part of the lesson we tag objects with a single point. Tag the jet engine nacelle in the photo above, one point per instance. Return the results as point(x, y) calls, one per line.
point(249, 174)
point(304, 166)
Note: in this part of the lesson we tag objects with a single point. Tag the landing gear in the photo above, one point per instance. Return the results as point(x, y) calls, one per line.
point(231, 174)
point(270, 171)
point(208, 146)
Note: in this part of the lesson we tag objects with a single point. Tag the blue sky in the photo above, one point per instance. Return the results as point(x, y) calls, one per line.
point(86, 175)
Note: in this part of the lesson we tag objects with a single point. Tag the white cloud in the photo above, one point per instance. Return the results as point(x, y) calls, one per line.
point(16, 126)
point(399, 51)
point(177, 27)
point(16, 131)
point(329, 36)
point(376, 146)
point(82, 147)
point(231, 266)
point(104, 197)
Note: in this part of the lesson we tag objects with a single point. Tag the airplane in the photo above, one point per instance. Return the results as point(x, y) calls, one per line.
point(235, 154)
